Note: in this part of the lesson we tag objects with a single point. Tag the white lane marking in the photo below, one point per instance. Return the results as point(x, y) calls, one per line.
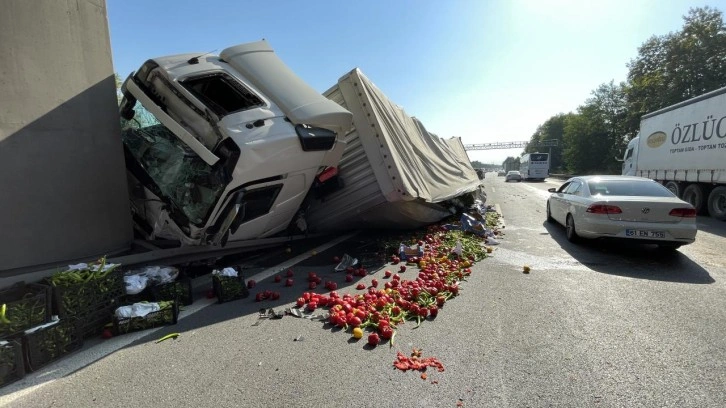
point(89, 355)
point(494, 190)
point(281, 267)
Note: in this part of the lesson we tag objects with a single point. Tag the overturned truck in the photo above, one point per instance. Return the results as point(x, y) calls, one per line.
point(224, 148)
point(393, 172)
point(236, 147)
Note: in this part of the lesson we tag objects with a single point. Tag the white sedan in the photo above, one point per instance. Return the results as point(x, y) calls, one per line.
point(622, 207)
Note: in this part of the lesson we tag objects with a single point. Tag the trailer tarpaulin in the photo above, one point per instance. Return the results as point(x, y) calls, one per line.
point(430, 167)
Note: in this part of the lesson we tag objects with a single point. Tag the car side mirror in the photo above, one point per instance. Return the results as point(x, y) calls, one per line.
point(552, 190)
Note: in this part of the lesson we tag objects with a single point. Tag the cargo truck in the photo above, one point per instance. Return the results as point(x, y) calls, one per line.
point(684, 147)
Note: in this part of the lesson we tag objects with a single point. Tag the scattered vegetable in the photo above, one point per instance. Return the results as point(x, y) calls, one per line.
point(168, 336)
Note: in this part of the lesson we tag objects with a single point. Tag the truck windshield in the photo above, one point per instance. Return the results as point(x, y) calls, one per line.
point(179, 175)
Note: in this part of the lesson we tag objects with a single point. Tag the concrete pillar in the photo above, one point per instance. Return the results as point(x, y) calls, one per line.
point(63, 192)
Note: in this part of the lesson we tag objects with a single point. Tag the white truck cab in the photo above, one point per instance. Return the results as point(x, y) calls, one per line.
point(224, 147)
point(630, 157)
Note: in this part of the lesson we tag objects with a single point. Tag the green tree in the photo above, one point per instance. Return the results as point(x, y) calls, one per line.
point(593, 138)
point(677, 66)
point(552, 129)
point(510, 163)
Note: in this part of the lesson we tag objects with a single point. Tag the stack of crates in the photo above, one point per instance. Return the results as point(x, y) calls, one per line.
point(23, 306)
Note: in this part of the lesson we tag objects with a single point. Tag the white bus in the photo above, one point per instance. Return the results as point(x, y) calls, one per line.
point(534, 166)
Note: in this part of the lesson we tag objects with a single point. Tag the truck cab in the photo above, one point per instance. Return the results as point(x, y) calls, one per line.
point(224, 147)
point(631, 156)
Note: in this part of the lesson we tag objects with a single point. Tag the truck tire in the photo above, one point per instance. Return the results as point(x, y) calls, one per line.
point(717, 203)
point(675, 188)
point(693, 194)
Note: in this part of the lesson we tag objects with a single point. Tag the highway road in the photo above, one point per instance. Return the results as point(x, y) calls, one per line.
point(592, 325)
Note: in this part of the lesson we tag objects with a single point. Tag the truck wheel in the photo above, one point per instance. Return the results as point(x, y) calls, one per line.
point(717, 203)
point(693, 194)
point(675, 187)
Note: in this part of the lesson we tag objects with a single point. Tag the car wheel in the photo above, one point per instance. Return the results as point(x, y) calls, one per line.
point(549, 214)
point(571, 232)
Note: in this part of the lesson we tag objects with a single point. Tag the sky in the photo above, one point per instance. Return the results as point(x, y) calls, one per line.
point(486, 71)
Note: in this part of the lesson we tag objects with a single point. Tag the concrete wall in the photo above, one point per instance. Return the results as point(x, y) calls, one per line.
point(63, 193)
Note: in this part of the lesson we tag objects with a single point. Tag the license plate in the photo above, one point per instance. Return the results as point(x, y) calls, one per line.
point(635, 233)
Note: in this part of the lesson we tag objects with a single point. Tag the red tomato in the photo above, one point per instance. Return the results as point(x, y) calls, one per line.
point(386, 332)
point(349, 278)
point(300, 302)
point(251, 284)
point(374, 339)
point(374, 282)
point(289, 273)
point(387, 274)
point(360, 286)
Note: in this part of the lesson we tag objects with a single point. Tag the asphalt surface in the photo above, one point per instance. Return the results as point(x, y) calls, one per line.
point(590, 325)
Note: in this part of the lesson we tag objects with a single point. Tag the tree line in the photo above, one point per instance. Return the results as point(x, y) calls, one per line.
point(668, 69)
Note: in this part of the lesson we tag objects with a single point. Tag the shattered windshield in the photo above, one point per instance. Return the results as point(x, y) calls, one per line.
point(180, 175)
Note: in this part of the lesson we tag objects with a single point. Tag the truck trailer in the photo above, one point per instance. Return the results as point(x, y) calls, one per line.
point(684, 147)
point(393, 173)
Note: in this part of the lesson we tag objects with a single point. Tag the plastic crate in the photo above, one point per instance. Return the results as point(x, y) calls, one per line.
point(145, 295)
point(11, 362)
point(26, 306)
point(95, 321)
point(85, 300)
point(48, 344)
point(228, 288)
point(179, 290)
point(154, 319)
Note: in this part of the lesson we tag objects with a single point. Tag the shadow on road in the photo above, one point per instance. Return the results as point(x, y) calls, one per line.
point(631, 260)
point(712, 226)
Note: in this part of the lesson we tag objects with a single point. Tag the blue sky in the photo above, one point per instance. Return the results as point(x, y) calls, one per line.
point(488, 70)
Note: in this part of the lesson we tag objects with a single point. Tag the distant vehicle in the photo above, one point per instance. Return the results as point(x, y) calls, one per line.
point(634, 209)
point(535, 166)
point(682, 147)
point(513, 175)
point(480, 173)
point(501, 173)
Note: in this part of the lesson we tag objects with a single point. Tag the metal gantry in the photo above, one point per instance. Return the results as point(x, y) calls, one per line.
point(508, 145)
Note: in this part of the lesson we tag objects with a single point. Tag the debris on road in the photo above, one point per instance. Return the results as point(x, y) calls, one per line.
point(416, 362)
point(167, 337)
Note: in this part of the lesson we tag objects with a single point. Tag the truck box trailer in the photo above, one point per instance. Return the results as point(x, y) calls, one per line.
point(393, 172)
point(684, 147)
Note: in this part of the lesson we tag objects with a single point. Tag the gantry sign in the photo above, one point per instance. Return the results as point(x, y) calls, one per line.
point(508, 145)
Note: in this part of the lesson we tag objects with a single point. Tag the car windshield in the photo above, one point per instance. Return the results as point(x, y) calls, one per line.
point(513, 172)
point(628, 188)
